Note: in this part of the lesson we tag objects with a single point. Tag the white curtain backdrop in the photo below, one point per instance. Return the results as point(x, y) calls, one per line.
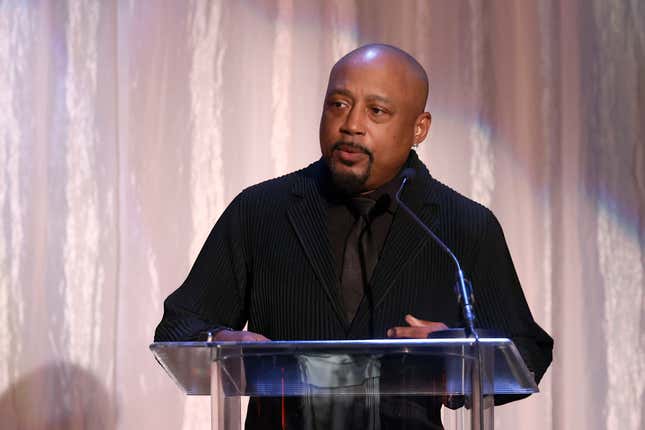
point(127, 126)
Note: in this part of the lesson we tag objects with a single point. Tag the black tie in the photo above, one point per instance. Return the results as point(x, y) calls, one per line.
point(360, 256)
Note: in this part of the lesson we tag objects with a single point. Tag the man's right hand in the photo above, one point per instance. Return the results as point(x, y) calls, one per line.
point(238, 336)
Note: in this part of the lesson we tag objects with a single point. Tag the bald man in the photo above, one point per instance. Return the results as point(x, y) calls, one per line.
point(324, 252)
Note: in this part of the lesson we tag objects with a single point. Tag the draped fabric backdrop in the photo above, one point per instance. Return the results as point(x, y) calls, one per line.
point(127, 126)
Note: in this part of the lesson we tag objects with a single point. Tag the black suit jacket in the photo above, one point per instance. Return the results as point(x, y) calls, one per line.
point(268, 261)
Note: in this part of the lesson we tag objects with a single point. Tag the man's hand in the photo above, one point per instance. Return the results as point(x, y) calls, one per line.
point(238, 336)
point(418, 329)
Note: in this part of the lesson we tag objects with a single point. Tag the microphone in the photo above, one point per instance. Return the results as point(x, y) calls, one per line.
point(462, 287)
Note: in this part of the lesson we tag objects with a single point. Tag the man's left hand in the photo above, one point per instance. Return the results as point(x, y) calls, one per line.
point(418, 329)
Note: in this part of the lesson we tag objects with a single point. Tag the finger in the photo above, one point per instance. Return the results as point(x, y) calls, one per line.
point(409, 332)
point(250, 336)
point(439, 326)
point(239, 336)
point(415, 322)
point(229, 336)
point(418, 332)
point(260, 338)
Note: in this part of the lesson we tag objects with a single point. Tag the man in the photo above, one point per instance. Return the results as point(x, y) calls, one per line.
point(323, 253)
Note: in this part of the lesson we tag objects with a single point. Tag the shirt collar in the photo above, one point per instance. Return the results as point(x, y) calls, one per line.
point(386, 192)
point(385, 196)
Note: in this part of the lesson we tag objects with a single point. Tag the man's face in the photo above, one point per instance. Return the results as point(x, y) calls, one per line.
point(368, 122)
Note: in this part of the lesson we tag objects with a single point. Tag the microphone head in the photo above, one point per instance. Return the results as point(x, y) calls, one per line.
point(406, 176)
point(408, 173)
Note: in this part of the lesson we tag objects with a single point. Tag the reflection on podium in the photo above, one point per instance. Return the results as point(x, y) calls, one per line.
point(369, 384)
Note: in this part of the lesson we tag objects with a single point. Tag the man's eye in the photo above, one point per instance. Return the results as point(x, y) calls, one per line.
point(336, 104)
point(377, 110)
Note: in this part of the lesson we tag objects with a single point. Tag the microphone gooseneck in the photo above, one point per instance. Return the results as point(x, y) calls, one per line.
point(462, 288)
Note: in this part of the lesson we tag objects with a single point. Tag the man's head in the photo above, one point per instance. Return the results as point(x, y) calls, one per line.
point(372, 115)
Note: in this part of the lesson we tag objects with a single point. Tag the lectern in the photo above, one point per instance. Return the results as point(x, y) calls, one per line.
point(465, 374)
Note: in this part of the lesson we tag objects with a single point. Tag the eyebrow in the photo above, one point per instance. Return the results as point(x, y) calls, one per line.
point(348, 93)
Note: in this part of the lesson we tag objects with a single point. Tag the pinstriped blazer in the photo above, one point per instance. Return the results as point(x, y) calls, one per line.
point(268, 261)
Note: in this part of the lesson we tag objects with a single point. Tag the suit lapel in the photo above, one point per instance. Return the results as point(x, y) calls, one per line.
point(308, 216)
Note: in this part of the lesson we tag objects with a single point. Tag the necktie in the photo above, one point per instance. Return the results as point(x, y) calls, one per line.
point(359, 258)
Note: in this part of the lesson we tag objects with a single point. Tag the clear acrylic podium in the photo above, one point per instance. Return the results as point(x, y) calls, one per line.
point(364, 370)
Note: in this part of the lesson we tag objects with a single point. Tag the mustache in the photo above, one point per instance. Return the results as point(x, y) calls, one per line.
point(352, 145)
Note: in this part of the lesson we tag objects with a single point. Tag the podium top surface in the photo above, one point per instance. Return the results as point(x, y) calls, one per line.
point(295, 368)
point(221, 350)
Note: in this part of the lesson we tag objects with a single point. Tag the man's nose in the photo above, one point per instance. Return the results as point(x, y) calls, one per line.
point(354, 123)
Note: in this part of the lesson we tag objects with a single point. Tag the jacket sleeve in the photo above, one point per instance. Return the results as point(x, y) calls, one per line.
point(501, 305)
point(213, 294)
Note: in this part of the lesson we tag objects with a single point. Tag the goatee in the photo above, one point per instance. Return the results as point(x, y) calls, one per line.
point(347, 182)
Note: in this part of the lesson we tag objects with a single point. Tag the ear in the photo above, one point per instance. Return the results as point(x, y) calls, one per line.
point(421, 127)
